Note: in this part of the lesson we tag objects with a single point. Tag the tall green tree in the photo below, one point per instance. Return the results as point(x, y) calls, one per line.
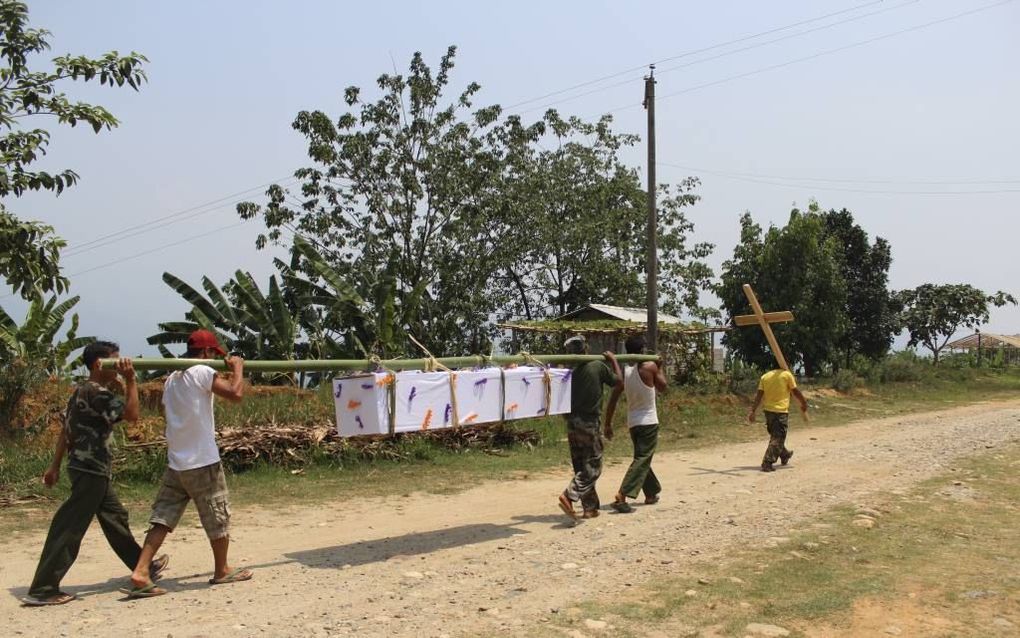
point(872, 312)
point(28, 94)
point(933, 313)
point(397, 181)
point(471, 216)
point(795, 267)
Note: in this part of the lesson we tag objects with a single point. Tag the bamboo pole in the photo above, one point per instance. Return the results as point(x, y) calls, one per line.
point(332, 365)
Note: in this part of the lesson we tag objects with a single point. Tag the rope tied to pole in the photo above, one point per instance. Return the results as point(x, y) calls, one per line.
point(546, 378)
point(432, 364)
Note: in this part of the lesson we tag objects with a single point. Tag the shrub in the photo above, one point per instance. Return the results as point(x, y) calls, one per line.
point(743, 378)
point(905, 366)
point(17, 379)
point(846, 380)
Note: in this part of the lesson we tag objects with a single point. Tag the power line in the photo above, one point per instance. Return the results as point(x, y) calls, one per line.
point(844, 180)
point(813, 56)
point(690, 53)
point(850, 190)
point(80, 248)
point(148, 229)
point(724, 54)
point(157, 249)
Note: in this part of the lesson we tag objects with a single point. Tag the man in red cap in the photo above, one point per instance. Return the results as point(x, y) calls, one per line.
point(195, 472)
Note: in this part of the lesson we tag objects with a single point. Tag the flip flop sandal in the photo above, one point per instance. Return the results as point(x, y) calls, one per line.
point(60, 598)
point(652, 500)
point(238, 575)
point(145, 591)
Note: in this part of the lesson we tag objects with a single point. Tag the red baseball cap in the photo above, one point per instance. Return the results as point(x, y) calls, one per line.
point(201, 339)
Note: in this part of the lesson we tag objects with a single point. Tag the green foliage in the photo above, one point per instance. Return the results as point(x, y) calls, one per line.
point(933, 313)
point(34, 340)
point(442, 216)
point(30, 261)
point(845, 380)
point(30, 256)
point(246, 321)
point(872, 311)
point(904, 367)
point(822, 266)
point(743, 377)
point(32, 351)
point(796, 267)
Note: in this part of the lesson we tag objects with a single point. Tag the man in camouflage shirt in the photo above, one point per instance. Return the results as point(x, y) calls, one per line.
point(92, 411)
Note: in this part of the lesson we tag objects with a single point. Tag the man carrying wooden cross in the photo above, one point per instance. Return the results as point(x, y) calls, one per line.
point(774, 387)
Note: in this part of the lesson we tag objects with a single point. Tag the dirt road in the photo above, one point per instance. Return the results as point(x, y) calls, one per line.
point(497, 558)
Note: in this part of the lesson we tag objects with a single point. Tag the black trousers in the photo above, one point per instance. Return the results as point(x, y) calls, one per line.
point(92, 496)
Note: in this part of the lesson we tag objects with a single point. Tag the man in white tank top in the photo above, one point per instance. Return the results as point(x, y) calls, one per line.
point(640, 383)
point(194, 471)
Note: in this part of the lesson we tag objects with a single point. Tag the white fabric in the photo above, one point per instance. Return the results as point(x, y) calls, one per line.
point(524, 392)
point(423, 401)
point(478, 396)
point(190, 428)
point(640, 399)
point(361, 404)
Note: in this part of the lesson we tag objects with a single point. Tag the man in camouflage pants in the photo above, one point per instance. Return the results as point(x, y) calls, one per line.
point(583, 424)
point(92, 411)
point(774, 390)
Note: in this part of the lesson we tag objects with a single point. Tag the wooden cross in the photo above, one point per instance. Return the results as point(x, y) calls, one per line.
point(763, 319)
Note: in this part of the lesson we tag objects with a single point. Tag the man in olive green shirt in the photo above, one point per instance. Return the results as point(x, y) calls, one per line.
point(92, 411)
point(586, 383)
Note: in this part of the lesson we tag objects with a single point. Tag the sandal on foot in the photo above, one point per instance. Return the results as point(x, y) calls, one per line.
point(568, 507)
point(236, 576)
point(651, 500)
point(590, 514)
point(59, 598)
point(623, 507)
point(145, 591)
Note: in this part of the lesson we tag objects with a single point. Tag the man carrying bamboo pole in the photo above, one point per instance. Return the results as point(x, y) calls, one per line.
point(775, 388)
point(640, 382)
point(91, 413)
point(583, 424)
point(195, 471)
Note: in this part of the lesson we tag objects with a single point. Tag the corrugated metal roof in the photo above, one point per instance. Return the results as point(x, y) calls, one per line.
point(988, 340)
point(637, 315)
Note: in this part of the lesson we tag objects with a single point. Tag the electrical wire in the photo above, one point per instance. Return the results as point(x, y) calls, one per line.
point(852, 190)
point(690, 53)
point(104, 239)
point(724, 54)
point(842, 180)
point(819, 54)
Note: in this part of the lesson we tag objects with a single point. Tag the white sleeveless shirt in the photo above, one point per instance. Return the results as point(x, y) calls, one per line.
point(640, 399)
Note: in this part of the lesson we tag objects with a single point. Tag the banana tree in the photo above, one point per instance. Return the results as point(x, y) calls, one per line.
point(246, 321)
point(35, 341)
point(344, 322)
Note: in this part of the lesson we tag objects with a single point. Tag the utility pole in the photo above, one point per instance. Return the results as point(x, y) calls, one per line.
point(652, 257)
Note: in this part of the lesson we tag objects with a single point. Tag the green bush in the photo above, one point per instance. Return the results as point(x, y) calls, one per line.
point(17, 379)
point(904, 367)
point(743, 378)
point(846, 380)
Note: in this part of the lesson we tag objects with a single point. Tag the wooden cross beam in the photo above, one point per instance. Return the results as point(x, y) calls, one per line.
point(763, 319)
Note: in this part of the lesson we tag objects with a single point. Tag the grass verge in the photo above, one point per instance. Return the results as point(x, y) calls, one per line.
point(940, 560)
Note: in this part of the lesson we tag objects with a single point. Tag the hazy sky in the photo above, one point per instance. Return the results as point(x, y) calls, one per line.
point(916, 133)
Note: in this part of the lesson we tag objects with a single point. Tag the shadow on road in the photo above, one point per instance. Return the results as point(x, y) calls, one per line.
point(413, 544)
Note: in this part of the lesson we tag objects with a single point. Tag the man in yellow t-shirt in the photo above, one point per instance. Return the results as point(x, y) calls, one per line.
point(774, 390)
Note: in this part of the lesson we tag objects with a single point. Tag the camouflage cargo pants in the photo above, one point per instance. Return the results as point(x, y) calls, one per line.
point(777, 423)
point(586, 457)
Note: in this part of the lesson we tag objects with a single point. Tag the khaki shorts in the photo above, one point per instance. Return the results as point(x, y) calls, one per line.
point(207, 487)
